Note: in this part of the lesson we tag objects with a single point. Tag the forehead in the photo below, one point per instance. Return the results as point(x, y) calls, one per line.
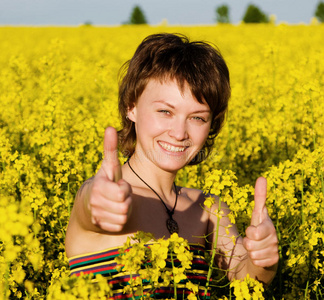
point(170, 90)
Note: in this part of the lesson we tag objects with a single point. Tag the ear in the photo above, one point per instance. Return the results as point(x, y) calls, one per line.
point(132, 114)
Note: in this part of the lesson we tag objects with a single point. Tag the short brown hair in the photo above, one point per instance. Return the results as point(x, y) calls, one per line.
point(173, 56)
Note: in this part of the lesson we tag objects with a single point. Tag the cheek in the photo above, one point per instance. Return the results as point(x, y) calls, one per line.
point(205, 136)
point(202, 133)
point(150, 125)
point(201, 137)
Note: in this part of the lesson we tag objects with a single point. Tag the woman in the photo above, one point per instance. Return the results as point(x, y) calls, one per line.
point(172, 101)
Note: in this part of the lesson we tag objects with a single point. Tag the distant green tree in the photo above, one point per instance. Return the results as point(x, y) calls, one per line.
point(253, 14)
point(319, 13)
point(137, 16)
point(222, 14)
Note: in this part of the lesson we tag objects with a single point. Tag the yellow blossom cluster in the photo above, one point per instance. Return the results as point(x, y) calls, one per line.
point(58, 92)
point(247, 289)
point(83, 287)
point(145, 259)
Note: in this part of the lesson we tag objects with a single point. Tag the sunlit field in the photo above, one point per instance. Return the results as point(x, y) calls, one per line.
point(58, 92)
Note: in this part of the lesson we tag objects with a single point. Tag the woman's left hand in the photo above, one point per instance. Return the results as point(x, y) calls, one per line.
point(261, 240)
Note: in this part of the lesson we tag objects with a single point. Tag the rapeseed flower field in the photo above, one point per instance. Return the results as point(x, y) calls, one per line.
point(58, 92)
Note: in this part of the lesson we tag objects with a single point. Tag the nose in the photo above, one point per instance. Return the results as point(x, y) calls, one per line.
point(179, 130)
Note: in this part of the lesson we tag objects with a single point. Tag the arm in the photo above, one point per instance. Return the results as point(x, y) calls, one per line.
point(256, 254)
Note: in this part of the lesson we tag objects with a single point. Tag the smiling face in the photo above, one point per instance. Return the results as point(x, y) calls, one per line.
point(171, 125)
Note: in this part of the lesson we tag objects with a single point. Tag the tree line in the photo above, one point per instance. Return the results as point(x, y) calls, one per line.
point(253, 14)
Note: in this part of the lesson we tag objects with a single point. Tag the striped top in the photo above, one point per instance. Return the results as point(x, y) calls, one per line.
point(103, 262)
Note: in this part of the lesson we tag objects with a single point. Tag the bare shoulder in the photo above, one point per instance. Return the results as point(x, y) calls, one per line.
point(200, 197)
point(193, 195)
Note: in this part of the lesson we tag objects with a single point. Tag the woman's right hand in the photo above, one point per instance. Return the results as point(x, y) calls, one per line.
point(110, 199)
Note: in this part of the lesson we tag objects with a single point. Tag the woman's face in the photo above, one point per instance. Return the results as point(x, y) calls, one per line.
point(171, 126)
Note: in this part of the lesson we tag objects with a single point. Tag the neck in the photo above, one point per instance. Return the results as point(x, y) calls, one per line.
point(171, 224)
point(160, 180)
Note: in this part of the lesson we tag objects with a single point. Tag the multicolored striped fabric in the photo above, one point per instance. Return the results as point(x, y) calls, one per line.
point(103, 262)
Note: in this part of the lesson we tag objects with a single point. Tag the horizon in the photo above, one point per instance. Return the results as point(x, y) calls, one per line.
point(181, 12)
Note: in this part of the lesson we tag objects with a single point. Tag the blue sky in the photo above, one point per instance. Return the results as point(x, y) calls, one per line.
point(115, 12)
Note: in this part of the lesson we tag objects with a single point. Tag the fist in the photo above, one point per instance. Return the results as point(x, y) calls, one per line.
point(261, 240)
point(110, 198)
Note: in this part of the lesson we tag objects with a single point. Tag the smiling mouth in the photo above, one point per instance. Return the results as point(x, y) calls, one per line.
point(171, 148)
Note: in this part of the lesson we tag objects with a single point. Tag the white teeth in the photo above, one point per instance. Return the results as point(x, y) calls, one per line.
point(172, 148)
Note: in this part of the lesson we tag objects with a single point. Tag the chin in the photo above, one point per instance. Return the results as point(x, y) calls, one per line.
point(172, 164)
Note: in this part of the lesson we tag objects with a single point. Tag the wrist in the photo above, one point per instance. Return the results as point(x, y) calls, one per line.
point(262, 274)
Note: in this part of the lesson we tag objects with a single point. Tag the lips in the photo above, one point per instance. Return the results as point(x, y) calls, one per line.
point(172, 148)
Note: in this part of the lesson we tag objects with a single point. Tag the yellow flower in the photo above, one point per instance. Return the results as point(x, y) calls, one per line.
point(193, 287)
point(209, 201)
point(178, 274)
point(247, 288)
point(192, 296)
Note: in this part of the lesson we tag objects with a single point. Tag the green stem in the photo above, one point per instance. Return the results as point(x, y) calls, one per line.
point(306, 290)
point(309, 272)
point(131, 282)
point(142, 289)
point(319, 290)
point(174, 283)
point(211, 263)
point(6, 276)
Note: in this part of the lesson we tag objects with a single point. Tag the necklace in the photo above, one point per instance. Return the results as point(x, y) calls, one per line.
point(171, 224)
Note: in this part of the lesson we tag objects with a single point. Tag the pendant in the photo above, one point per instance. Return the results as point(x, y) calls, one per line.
point(172, 226)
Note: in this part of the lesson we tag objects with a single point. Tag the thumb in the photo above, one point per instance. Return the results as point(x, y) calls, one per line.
point(260, 196)
point(111, 164)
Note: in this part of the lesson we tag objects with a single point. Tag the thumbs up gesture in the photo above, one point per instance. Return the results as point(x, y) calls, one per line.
point(261, 240)
point(110, 196)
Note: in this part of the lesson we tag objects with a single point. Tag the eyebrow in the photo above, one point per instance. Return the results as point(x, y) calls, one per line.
point(170, 105)
point(164, 102)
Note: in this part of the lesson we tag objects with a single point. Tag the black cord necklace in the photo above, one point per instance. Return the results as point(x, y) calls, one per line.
point(171, 224)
